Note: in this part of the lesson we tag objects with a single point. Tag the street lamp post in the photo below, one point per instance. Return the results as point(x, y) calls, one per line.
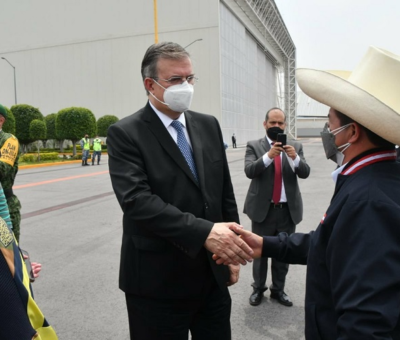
point(155, 22)
point(15, 79)
point(193, 42)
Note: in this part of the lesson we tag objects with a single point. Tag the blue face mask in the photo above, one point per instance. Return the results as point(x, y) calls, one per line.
point(328, 141)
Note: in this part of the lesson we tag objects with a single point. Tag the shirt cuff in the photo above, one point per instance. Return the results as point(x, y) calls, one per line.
point(296, 161)
point(267, 160)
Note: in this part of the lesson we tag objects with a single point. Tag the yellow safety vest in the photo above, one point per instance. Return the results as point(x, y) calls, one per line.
point(97, 144)
point(86, 145)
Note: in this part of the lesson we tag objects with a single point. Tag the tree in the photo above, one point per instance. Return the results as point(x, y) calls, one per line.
point(104, 123)
point(73, 123)
point(24, 115)
point(9, 124)
point(37, 131)
point(51, 126)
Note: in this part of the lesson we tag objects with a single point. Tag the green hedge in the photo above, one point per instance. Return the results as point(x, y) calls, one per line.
point(24, 114)
point(9, 124)
point(49, 151)
point(32, 157)
point(79, 156)
point(69, 149)
point(78, 148)
point(75, 122)
point(104, 123)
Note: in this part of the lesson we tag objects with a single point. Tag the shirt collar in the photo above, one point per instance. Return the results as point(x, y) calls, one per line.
point(367, 158)
point(167, 120)
point(337, 172)
point(270, 141)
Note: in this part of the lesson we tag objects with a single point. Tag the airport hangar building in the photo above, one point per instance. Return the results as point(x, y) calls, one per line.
point(88, 54)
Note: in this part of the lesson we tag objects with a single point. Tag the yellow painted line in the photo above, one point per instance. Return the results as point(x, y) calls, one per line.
point(58, 180)
point(47, 164)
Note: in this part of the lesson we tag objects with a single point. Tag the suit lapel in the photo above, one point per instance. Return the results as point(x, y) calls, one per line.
point(265, 145)
point(166, 141)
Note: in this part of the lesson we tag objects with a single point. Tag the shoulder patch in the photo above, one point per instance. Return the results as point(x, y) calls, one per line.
point(9, 151)
point(6, 236)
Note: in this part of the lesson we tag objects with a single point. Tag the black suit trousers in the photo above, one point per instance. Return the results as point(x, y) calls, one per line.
point(278, 220)
point(206, 318)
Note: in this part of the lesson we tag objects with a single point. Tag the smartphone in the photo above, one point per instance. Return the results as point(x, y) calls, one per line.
point(28, 265)
point(281, 138)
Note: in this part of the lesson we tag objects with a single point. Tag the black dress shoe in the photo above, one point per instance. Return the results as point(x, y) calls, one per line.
point(282, 298)
point(255, 297)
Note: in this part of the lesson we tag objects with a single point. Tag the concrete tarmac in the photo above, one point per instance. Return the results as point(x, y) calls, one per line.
point(71, 223)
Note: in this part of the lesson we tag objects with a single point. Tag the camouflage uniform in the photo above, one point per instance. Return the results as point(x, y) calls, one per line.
point(10, 151)
point(20, 316)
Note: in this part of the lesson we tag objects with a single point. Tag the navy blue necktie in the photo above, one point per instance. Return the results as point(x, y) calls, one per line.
point(185, 148)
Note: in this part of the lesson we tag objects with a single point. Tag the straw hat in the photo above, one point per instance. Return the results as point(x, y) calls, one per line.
point(370, 94)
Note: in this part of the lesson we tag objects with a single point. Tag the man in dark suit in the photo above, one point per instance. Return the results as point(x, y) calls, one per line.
point(233, 141)
point(273, 202)
point(170, 174)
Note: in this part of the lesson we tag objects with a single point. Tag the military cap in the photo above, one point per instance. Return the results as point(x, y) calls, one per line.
point(3, 111)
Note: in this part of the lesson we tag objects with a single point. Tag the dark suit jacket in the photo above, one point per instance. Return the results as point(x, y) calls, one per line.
point(260, 191)
point(167, 216)
point(353, 283)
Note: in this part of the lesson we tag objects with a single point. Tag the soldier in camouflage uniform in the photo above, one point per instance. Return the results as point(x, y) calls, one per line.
point(9, 155)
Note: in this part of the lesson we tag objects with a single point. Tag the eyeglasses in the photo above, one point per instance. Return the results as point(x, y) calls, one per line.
point(179, 80)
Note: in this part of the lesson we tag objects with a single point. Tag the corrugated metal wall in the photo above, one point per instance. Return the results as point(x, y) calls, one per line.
point(248, 81)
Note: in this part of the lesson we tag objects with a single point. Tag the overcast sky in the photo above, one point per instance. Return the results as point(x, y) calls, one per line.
point(335, 34)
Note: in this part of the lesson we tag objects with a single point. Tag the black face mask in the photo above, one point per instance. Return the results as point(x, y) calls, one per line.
point(272, 132)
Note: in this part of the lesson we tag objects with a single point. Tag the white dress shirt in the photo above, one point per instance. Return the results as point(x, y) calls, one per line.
point(293, 164)
point(167, 123)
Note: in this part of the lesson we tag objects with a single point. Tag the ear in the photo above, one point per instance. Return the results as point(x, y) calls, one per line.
point(355, 131)
point(149, 84)
point(265, 124)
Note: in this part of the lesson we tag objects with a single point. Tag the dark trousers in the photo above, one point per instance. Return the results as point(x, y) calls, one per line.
point(277, 220)
point(207, 318)
point(98, 154)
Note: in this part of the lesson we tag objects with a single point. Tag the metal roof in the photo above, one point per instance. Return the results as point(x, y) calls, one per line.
point(308, 107)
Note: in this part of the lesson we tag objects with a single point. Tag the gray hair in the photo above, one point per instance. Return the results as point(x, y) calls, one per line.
point(164, 50)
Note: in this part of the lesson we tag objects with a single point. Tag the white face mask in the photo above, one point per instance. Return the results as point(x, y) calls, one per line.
point(177, 97)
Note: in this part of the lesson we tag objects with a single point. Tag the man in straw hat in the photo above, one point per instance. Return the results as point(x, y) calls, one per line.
point(353, 257)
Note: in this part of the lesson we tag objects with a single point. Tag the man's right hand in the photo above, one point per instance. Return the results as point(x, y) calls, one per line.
point(253, 240)
point(275, 150)
point(228, 246)
point(36, 268)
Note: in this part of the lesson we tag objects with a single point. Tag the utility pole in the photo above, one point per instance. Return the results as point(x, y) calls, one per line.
point(15, 79)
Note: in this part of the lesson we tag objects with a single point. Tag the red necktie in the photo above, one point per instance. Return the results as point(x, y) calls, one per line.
point(276, 196)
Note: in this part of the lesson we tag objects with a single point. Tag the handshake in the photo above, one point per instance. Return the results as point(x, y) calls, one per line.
point(232, 245)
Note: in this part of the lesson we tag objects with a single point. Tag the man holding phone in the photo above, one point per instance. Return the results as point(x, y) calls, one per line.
point(273, 201)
